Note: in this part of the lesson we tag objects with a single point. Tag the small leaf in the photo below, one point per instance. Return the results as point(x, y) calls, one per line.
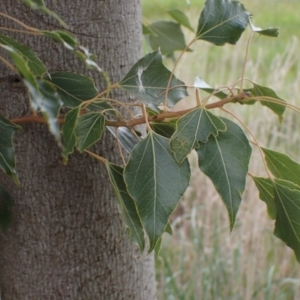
point(6, 204)
point(128, 208)
point(7, 158)
point(266, 193)
point(271, 31)
point(164, 129)
point(89, 129)
point(193, 127)
point(287, 226)
point(156, 182)
point(35, 65)
point(126, 137)
point(66, 38)
point(282, 166)
point(180, 17)
point(46, 99)
point(148, 80)
point(222, 21)
point(265, 93)
point(202, 85)
point(168, 37)
point(225, 159)
point(68, 131)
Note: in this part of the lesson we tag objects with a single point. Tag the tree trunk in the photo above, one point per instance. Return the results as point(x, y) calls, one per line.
point(67, 240)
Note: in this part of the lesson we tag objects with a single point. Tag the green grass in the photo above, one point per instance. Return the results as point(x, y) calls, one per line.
point(202, 259)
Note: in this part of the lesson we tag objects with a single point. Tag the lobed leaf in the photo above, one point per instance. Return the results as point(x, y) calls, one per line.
point(89, 129)
point(127, 205)
point(287, 225)
point(222, 21)
point(266, 193)
point(148, 80)
point(225, 159)
point(156, 182)
point(282, 166)
point(7, 158)
point(68, 130)
point(6, 204)
point(164, 129)
point(195, 126)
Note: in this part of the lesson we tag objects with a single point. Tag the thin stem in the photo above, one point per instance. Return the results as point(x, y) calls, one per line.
point(20, 23)
point(100, 158)
point(245, 62)
point(8, 64)
point(146, 117)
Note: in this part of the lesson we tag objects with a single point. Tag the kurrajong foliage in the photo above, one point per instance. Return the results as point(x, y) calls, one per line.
point(156, 173)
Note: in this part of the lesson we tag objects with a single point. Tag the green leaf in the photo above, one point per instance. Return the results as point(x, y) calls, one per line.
point(66, 38)
point(6, 204)
point(127, 205)
point(147, 30)
point(156, 182)
point(287, 225)
point(89, 129)
point(266, 193)
point(282, 166)
point(271, 31)
point(202, 85)
point(22, 65)
point(148, 80)
point(7, 158)
point(35, 65)
point(168, 37)
point(68, 131)
point(265, 93)
point(126, 137)
point(46, 99)
point(180, 17)
point(164, 129)
point(193, 127)
point(222, 21)
point(225, 159)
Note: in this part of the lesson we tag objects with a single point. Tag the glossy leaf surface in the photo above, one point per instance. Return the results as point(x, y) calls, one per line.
point(222, 21)
point(148, 80)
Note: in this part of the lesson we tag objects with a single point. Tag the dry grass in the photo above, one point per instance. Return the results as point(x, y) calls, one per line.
point(202, 260)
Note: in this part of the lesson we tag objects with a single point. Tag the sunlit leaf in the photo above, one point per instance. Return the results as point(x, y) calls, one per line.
point(168, 37)
point(35, 65)
point(180, 17)
point(287, 225)
point(148, 80)
point(282, 166)
point(195, 126)
point(271, 31)
point(7, 158)
point(68, 131)
point(156, 182)
point(127, 205)
point(225, 159)
point(89, 129)
point(266, 193)
point(222, 21)
point(46, 100)
point(266, 93)
point(6, 204)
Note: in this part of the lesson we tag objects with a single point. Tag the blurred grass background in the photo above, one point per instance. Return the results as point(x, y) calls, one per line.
point(202, 259)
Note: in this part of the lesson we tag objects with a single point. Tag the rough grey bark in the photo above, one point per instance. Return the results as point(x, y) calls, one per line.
point(67, 240)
